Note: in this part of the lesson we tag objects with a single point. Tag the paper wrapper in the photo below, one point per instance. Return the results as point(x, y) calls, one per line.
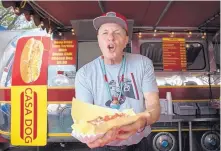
point(83, 112)
point(85, 138)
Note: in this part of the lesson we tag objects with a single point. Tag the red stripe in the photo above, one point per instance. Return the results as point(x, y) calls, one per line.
point(61, 94)
point(22, 115)
point(2, 139)
point(190, 93)
point(35, 124)
point(122, 78)
point(105, 78)
point(5, 95)
point(177, 93)
point(132, 75)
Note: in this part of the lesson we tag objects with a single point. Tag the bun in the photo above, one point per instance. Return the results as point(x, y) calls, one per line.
point(100, 119)
point(31, 60)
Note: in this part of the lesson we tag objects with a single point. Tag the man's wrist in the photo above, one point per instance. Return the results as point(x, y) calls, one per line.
point(145, 120)
point(148, 117)
point(143, 125)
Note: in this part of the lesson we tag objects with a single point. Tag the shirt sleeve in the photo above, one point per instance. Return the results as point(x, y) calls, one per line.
point(82, 88)
point(149, 83)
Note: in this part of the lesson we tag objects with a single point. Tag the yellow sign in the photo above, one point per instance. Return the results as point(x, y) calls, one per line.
point(174, 39)
point(29, 115)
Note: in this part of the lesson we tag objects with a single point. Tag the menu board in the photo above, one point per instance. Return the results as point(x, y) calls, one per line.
point(63, 52)
point(174, 54)
point(62, 63)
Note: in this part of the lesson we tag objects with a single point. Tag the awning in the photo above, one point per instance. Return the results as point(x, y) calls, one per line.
point(192, 15)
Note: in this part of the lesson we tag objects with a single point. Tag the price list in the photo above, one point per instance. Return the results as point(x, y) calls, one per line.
point(174, 54)
point(63, 52)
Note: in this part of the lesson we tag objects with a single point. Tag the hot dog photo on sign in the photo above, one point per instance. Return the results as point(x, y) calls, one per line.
point(31, 60)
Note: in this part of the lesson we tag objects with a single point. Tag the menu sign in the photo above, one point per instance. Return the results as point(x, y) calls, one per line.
point(63, 52)
point(174, 54)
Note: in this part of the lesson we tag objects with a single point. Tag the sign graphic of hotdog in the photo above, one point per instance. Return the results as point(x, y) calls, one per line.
point(31, 60)
point(29, 92)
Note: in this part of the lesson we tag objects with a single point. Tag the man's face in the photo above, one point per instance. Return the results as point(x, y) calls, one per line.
point(112, 39)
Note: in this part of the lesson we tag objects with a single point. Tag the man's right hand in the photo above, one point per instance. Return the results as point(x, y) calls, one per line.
point(110, 136)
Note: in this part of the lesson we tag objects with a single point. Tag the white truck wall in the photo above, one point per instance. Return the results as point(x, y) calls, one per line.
point(87, 51)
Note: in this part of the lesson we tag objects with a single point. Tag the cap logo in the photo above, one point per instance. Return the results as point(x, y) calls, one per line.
point(111, 14)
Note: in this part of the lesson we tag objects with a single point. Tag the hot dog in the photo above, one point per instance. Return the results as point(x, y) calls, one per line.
point(31, 60)
point(106, 118)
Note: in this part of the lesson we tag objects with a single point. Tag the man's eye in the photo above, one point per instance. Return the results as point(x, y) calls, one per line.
point(117, 33)
point(104, 33)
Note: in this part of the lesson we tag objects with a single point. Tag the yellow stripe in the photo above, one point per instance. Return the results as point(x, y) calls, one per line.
point(5, 88)
point(203, 100)
point(5, 102)
point(190, 86)
point(174, 130)
point(4, 132)
point(156, 130)
point(59, 134)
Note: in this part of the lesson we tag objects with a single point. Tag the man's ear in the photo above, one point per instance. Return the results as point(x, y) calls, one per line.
point(97, 33)
point(126, 41)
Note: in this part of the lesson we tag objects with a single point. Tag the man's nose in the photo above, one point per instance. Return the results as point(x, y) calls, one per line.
point(110, 36)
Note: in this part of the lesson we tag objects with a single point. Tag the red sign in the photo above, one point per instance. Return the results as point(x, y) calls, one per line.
point(174, 54)
point(29, 63)
point(63, 52)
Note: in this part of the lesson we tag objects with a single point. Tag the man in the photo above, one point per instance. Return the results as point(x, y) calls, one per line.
point(119, 80)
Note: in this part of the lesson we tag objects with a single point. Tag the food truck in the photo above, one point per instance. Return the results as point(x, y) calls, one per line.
point(189, 81)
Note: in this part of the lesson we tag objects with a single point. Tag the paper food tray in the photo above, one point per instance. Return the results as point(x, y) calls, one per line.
point(85, 138)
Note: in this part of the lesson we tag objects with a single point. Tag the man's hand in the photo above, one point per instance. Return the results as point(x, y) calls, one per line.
point(128, 130)
point(110, 136)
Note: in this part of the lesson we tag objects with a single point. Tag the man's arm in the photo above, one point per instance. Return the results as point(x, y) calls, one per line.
point(152, 103)
point(151, 93)
point(148, 117)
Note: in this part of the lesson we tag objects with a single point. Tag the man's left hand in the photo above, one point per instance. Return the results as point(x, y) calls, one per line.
point(128, 130)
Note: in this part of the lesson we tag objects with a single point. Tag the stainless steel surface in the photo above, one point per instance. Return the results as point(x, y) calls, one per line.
point(180, 118)
point(197, 118)
point(183, 79)
point(190, 137)
point(180, 136)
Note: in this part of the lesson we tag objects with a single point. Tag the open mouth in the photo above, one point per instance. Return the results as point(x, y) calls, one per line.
point(111, 47)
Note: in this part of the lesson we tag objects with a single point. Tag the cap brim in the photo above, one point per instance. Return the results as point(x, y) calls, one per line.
point(97, 22)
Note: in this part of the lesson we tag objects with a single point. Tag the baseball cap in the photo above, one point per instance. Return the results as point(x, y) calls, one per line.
point(110, 17)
